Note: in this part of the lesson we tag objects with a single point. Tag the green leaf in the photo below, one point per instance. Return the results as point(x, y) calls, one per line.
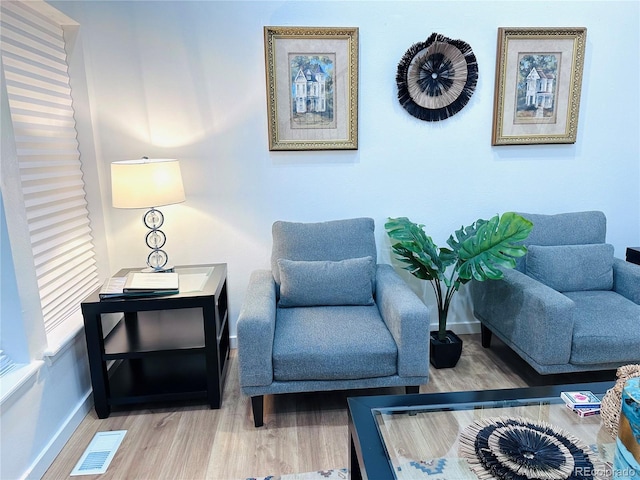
point(455, 242)
point(415, 249)
point(493, 246)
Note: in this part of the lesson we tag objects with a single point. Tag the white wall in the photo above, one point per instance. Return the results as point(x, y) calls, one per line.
point(186, 79)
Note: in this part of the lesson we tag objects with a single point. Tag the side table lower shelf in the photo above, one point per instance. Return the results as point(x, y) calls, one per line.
point(166, 378)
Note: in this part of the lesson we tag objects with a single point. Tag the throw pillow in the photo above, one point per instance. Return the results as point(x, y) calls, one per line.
point(572, 268)
point(315, 283)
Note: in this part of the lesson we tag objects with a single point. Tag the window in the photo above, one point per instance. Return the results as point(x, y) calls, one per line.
point(50, 197)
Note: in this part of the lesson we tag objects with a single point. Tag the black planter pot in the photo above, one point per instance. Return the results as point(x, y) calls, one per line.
point(445, 354)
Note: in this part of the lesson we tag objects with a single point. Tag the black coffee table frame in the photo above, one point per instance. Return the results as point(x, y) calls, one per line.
point(367, 455)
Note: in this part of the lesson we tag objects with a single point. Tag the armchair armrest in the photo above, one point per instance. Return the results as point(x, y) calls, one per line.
point(407, 318)
point(256, 327)
point(626, 279)
point(533, 317)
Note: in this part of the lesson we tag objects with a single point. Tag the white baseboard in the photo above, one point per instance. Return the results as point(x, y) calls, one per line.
point(462, 328)
point(59, 440)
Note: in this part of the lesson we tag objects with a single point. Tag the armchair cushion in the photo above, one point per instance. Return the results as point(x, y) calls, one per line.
point(572, 268)
point(607, 328)
point(328, 343)
point(317, 283)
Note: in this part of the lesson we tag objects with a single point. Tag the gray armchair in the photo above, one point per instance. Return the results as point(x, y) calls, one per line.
point(328, 317)
point(569, 305)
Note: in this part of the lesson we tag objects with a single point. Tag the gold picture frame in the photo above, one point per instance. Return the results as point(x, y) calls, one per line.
point(312, 87)
point(538, 83)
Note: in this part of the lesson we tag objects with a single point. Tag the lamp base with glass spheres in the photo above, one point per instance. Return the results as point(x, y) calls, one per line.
point(158, 260)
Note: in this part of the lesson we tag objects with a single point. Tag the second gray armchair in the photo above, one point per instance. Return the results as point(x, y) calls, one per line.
point(570, 305)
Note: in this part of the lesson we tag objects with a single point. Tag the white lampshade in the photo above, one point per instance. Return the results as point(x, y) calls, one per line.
point(146, 183)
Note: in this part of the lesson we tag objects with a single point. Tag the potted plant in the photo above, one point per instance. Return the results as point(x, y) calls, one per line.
point(478, 252)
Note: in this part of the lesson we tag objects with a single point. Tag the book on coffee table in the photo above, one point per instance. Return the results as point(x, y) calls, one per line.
point(585, 399)
point(584, 412)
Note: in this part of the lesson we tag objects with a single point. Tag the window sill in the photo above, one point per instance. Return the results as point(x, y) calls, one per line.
point(64, 336)
point(61, 338)
point(13, 383)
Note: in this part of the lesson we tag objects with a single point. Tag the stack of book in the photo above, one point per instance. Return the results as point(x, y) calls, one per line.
point(583, 403)
point(140, 284)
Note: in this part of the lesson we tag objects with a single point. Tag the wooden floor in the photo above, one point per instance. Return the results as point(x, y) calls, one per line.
point(302, 432)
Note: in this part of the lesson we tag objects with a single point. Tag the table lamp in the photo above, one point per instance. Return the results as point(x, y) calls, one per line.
point(148, 184)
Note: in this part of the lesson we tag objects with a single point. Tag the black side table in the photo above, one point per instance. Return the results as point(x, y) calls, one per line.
point(633, 255)
point(178, 349)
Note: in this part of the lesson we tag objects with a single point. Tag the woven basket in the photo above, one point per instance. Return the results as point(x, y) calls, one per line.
point(611, 402)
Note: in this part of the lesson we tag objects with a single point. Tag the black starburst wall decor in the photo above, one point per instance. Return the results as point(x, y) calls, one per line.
point(436, 78)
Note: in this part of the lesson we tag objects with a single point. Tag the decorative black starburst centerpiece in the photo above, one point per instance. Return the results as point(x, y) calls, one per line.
point(521, 449)
point(436, 78)
point(436, 75)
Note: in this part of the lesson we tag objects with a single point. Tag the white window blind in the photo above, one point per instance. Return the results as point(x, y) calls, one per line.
point(37, 81)
point(6, 364)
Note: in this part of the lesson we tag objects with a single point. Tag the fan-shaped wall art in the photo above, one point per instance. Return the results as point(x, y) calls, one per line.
point(436, 78)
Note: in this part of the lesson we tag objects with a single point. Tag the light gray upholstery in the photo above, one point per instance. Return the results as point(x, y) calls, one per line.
point(572, 268)
point(319, 343)
point(335, 345)
point(569, 305)
point(317, 283)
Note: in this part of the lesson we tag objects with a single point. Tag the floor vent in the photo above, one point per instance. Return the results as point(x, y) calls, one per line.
point(98, 455)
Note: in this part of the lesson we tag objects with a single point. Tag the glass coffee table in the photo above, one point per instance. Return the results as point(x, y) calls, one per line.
point(399, 437)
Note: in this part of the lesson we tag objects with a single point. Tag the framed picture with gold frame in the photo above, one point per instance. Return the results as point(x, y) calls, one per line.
point(538, 83)
point(312, 87)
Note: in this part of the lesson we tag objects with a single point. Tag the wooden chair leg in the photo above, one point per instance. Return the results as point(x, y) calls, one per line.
point(485, 336)
point(257, 405)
